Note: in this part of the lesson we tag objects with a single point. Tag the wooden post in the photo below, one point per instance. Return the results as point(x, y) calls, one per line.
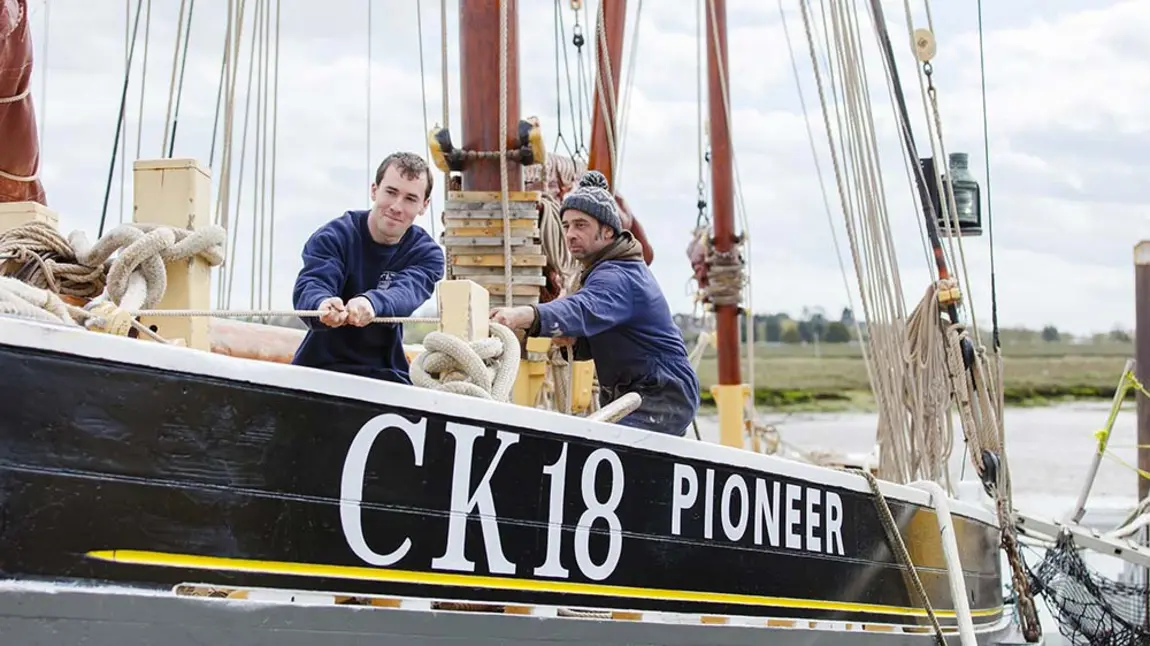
point(464, 308)
point(730, 394)
point(1142, 355)
point(14, 214)
point(479, 53)
point(599, 156)
point(177, 193)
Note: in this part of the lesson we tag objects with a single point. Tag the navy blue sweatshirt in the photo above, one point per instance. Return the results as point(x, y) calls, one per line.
point(341, 259)
point(634, 341)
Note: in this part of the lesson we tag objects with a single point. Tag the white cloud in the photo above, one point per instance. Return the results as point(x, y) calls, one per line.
point(1066, 91)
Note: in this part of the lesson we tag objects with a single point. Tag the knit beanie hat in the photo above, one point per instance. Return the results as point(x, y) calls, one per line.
point(592, 197)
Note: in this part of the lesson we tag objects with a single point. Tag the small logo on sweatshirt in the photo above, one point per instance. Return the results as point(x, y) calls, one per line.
point(385, 279)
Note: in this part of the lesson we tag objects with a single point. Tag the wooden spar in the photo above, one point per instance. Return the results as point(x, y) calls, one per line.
point(20, 152)
point(479, 53)
point(614, 19)
point(722, 186)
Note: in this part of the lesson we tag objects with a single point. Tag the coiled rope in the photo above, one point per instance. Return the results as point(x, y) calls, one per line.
point(40, 256)
point(485, 368)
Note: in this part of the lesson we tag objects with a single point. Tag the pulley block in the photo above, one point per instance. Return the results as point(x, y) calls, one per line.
point(529, 148)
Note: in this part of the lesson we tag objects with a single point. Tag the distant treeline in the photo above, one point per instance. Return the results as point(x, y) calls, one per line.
point(814, 326)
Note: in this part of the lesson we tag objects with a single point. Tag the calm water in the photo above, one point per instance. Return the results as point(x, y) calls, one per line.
point(1049, 450)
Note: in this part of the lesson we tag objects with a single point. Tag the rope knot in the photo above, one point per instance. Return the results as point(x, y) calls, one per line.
point(485, 368)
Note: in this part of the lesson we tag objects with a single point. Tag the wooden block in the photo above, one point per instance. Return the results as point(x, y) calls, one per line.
point(177, 193)
point(14, 214)
point(493, 250)
point(489, 220)
point(528, 231)
point(493, 260)
point(492, 196)
point(489, 241)
point(464, 309)
point(492, 279)
point(464, 216)
point(477, 273)
point(499, 289)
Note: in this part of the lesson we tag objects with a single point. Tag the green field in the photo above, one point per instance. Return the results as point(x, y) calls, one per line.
point(794, 378)
point(1034, 374)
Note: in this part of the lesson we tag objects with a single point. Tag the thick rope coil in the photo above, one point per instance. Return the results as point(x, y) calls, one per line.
point(725, 276)
point(18, 298)
point(136, 277)
point(486, 368)
point(38, 255)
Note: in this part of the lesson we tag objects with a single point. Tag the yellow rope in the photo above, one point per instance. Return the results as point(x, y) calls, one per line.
point(1102, 435)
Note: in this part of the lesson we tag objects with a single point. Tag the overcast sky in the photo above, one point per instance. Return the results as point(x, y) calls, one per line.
point(1067, 88)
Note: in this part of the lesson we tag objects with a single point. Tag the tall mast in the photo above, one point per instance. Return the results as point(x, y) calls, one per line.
point(479, 54)
point(722, 198)
point(612, 20)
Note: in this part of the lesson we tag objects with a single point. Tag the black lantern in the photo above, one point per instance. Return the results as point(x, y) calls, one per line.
point(967, 196)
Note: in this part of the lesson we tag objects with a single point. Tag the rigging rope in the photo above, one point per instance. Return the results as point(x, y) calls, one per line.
point(144, 78)
point(606, 86)
point(183, 70)
point(120, 120)
point(223, 195)
point(910, 413)
point(423, 95)
point(172, 82)
point(504, 183)
point(256, 33)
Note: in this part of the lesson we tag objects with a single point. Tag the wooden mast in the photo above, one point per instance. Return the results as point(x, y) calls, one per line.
point(614, 17)
point(730, 393)
point(479, 54)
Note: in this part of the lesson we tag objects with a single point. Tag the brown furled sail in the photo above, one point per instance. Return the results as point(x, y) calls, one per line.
point(20, 152)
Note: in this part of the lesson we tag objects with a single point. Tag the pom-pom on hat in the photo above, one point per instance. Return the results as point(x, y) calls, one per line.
point(593, 197)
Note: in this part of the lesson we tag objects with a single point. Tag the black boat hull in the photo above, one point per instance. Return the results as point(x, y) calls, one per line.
point(129, 462)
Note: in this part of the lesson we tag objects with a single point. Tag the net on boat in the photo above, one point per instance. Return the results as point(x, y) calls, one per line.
point(1091, 609)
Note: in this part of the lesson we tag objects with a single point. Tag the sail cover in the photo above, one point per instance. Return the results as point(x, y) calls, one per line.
point(20, 151)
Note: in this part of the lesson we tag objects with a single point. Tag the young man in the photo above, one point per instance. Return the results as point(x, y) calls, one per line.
point(619, 314)
point(365, 264)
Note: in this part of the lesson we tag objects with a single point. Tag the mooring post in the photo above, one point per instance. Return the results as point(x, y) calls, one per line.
point(1142, 356)
point(177, 193)
point(1142, 372)
point(15, 214)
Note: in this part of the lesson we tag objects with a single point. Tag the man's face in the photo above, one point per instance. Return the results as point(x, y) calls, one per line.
point(583, 234)
point(396, 202)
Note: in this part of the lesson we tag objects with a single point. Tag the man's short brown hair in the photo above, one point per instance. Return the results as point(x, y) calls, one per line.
point(410, 165)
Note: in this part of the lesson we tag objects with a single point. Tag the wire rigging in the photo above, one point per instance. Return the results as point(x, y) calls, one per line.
point(120, 120)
